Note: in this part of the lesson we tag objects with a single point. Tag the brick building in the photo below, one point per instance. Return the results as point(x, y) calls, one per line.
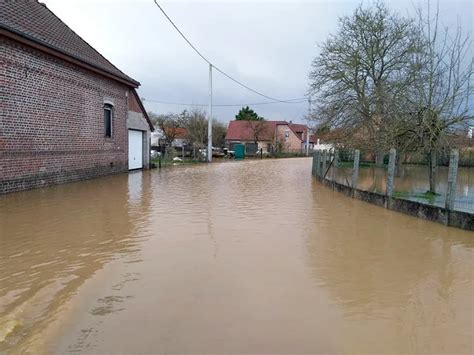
point(268, 136)
point(67, 113)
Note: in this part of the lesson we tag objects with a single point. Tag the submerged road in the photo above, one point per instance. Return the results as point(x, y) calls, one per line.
point(241, 257)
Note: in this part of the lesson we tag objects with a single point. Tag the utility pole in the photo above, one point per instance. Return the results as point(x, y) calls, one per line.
point(209, 119)
point(307, 130)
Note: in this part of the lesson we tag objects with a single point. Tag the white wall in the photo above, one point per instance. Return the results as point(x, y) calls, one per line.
point(322, 146)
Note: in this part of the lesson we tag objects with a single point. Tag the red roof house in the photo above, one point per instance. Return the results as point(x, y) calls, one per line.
point(268, 135)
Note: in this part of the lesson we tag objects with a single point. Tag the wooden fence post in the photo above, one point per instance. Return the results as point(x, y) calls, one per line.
point(452, 179)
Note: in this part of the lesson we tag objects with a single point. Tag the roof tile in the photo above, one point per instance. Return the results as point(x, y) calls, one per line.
point(35, 21)
point(245, 130)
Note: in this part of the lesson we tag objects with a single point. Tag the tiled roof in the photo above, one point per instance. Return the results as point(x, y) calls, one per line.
point(32, 20)
point(245, 130)
point(298, 129)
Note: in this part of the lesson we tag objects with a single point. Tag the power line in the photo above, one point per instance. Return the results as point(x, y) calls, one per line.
point(181, 33)
point(247, 87)
point(290, 101)
point(212, 65)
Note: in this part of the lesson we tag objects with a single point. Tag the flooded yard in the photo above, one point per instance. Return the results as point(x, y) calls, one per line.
point(244, 257)
point(412, 183)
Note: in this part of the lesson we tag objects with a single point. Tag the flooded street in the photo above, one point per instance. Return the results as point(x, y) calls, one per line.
point(244, 257)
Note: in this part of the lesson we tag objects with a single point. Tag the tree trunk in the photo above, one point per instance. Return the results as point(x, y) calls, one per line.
point(432, 164)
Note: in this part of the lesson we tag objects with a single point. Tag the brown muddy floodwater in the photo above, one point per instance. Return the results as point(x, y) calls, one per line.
point(247, 257)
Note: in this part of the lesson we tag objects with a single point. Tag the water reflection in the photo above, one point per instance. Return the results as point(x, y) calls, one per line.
point(52, 240)
point(412, 182)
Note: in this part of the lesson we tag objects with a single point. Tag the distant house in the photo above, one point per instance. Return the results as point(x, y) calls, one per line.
point(327, 139)
point(470, 128)
point(268, 136)
point(180, 140)
point(67, 112)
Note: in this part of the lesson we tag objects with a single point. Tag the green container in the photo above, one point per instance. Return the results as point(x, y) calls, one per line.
point(239, 150)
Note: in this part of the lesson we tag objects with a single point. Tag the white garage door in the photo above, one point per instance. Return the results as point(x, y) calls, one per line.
point(135, 149)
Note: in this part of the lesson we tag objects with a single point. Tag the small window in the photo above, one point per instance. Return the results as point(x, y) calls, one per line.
point(287, 134)
point(108, 115)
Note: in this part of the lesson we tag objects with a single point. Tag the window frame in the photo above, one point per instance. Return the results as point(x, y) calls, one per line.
point(110, 108)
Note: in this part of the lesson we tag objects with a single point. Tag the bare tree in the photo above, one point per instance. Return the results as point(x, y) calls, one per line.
point(280, 144)
point(219, 131)
point(361, 72)
point(442, 90)
point(196, 125)
point(168, 124)
point(388, 81)
point(259, 130)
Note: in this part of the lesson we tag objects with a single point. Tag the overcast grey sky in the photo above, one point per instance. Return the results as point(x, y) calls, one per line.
point(265, 44)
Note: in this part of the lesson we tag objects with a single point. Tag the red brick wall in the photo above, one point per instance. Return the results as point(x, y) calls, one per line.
point(133, 104)
point(52, 121)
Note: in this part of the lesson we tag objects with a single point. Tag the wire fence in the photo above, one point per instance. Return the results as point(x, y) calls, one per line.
point(449, 185)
